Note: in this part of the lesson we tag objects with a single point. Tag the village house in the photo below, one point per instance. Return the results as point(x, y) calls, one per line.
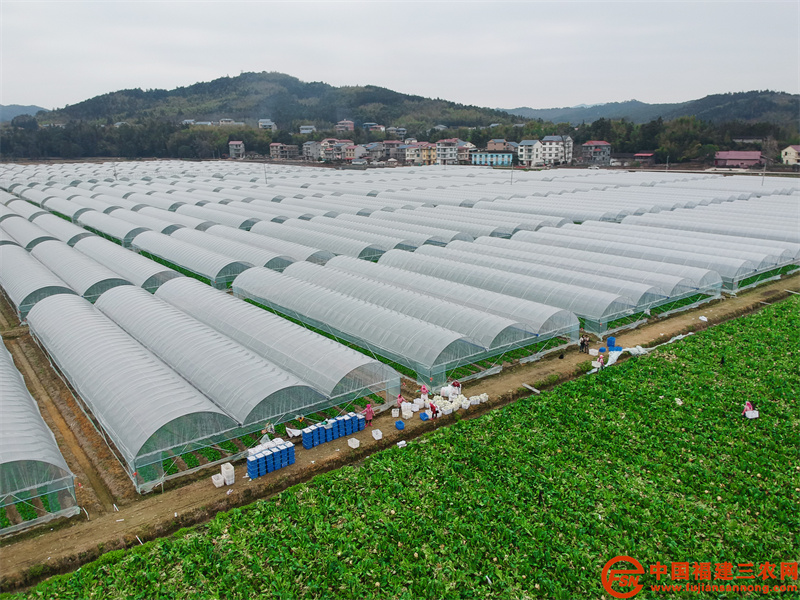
point(236, 149)
point(742, 159)
point(556, 149)
point(790, 155)
point(344, 125)
point(596, 152)
point(529, 153)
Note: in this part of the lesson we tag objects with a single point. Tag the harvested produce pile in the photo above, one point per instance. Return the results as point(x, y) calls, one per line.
point(528, 501)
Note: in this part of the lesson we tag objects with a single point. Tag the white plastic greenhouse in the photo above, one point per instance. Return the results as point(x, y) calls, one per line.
point(295, 251)
point(7, 213)
point(671, 286)
point(426, 349)
point(83, 274)
point(278, 212)
point(26, 281)
point(152, 223)
point(643, 295)
point(137, 269)
point(336, 228)
point(149, 412)
point(416, 218)
point(218, 216)
point(211, 267)
point(705, 280)
point(244, 385)
point(517, 220)
point(324, 241)
point(423, 234)
point(178, 219)
point(32, 469)
point(598, 309)
point(730, 269)
point(62, 229)
point(774, 251)
point(25, 233)
point(26, 209)
point(111, 228)
point(546, 321)
point(65, 208)
point(335, 370)
point(7, 239)
point(250, 254)
point(490, 331)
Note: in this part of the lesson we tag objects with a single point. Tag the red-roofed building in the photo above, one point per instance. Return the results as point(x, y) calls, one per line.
point(742, 159)
point(596, 152)
point(344, 125)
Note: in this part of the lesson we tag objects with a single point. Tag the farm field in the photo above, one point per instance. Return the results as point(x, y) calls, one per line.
point(650, 458)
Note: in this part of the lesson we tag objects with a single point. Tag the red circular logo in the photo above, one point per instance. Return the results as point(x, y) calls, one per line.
point(622, 578)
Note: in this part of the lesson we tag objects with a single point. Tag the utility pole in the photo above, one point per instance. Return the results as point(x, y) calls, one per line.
point(667, 167)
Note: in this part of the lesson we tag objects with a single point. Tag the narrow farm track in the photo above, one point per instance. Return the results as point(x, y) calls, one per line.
point(24, 562)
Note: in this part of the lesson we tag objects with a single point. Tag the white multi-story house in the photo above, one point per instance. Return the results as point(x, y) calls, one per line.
point(447, 151)
point(529, 153)
point(312, 150)
point(556, 149)
point(306, 129)
point(236, 149)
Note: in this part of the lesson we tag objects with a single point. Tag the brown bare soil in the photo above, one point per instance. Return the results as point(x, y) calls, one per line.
point(27, 558)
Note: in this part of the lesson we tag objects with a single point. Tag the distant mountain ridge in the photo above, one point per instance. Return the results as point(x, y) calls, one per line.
point(756, 106)
point(9, 111)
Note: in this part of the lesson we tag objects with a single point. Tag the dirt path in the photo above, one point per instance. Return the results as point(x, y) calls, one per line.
point(25, 561)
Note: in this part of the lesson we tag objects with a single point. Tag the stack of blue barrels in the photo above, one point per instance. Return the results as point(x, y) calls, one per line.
point(332, 429)
point(612, 346)
point(270, 459)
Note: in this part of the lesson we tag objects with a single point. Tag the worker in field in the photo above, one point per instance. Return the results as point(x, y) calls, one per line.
point(424, 393)
point(400, 400)
point(368, 414)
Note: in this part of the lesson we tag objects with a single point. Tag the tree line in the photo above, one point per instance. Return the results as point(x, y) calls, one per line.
point(680, 140)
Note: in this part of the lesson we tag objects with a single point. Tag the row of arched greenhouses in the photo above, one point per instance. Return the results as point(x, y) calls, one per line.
point(342, 279)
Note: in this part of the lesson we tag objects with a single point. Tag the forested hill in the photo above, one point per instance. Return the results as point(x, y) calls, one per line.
point(284, 99)
point(778, 108)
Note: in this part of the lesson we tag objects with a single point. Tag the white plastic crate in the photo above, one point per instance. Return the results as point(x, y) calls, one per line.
point(228, 473)
point(465, 404)
point(414, 407)
point(218, 480)
point(447, 411)
point(353, 443)
point(395, 413)
point(377, 434)
point(407, 414)
point(401, 444)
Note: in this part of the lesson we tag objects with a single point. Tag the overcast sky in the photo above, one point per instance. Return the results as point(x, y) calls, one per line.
point(495, 54)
